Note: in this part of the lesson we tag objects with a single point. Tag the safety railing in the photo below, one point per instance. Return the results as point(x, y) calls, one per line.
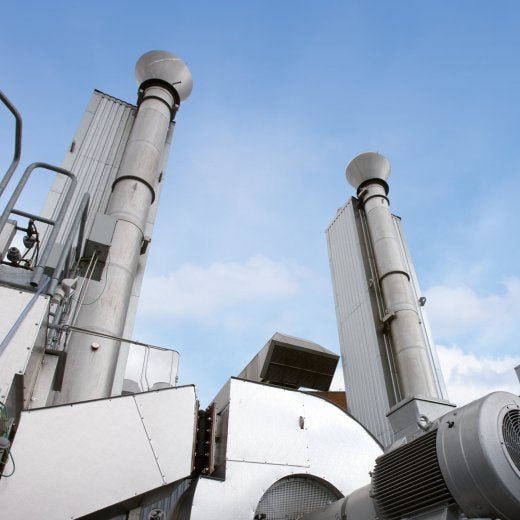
point(55, 223)
point(17, 143)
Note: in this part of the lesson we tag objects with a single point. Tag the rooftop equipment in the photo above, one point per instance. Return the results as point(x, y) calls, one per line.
point(164, 82)
point(292, 363)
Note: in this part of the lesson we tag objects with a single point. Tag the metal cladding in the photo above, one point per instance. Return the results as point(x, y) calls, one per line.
point(401, 317)
point(268, 435)
point(90, 372)
point(101, 453)
point(292, 363)
point(365, 344)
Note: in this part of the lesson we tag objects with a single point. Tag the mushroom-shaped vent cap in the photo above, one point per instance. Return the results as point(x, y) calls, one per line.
point(367, 166)
point(166, 67)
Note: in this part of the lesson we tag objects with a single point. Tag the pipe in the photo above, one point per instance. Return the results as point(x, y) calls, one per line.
point(90, 370)
point(368, 173)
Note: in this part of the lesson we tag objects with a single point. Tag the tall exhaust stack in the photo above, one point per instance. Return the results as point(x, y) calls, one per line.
point(164, 82)
point(389, 361)
point(368, 173)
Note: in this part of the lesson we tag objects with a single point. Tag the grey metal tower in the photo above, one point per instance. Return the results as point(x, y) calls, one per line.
point(164, 81)
point(387, 351)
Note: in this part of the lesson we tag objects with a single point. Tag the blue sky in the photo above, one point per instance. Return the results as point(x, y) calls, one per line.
point(285, 95)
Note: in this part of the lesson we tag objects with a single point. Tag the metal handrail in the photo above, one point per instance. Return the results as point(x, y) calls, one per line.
point(56, 224)
point(17, 143)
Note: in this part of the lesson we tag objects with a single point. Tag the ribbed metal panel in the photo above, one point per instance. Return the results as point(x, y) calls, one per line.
point(367, 376)
point(371, 385)
point(408, 480)
point(94, 156)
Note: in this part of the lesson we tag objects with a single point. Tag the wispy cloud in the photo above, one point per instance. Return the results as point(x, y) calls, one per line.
point(469, 376)
point(199, 292)
point(475, 322)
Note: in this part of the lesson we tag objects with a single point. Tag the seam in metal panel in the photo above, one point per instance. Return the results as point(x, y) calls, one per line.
point(149, 438)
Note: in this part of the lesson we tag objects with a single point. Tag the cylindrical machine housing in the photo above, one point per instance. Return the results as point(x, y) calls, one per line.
point(478, 448)
point(470, 462)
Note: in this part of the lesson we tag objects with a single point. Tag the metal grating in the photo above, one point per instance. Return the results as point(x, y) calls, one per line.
point(511, 434)
point(290, 497)
point(408, 480)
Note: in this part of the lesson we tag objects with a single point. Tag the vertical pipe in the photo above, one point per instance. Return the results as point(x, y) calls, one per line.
point(368, 173)
point(91, 361)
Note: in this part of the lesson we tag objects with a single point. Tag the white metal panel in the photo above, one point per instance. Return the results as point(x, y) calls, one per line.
point(77, 459)
point(252, 416)
point(24, 329)
point(236, 497)
point(170, 427)
point(337, 449)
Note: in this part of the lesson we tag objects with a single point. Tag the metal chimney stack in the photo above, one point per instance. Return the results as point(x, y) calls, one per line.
point(164, 82)
point(368, 173)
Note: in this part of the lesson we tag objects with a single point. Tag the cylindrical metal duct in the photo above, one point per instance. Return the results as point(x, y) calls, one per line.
point(91, 362)
point(368, 173)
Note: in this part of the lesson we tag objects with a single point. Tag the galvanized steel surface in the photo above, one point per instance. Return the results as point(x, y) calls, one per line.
point(292, 363)
point(414, 371)
point(94, 155)
point(167, 67)
point(15, 357)
point(80, 458)
point(367, 374)
point(370, 381)
point(90, 373)
point(273, 433)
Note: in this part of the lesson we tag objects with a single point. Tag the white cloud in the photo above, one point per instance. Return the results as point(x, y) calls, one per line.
point(469, 376)
point(479, 323)
point(194, 291)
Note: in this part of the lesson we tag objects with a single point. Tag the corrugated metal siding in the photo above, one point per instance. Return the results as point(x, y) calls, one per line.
point(94, 157)
point(367, 360)
point(365, 369)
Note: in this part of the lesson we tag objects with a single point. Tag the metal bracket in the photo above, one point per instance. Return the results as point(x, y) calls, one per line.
point(389, 316)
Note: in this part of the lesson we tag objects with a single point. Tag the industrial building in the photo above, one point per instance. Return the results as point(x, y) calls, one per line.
point(94, 425)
